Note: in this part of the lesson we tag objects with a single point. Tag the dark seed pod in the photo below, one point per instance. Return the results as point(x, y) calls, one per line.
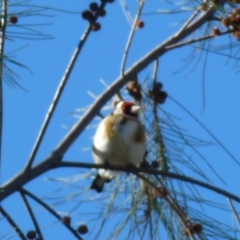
point(96, 26)
point(101, 12)
point(134, 90)
point(158, 85)
point(82, 229)
point(13, 19)
point(87, 15)
point(195, 228)
point(216, 32)
point(93, 6)
point(161, 97)
point(66, 220)
point(225, 22)
point(31, 234)
point(236, 11)
point(139, 24)
point(237, 35)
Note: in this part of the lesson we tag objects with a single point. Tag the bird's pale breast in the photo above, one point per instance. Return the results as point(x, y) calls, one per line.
point(119, 139)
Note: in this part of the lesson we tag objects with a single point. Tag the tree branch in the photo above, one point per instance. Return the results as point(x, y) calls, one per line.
point(154, 172)
point(31, 214)
point(56, 98)
point(51, 211)
point(12, 223)
point(141, 2)
point(193, 40)
point(59, 91)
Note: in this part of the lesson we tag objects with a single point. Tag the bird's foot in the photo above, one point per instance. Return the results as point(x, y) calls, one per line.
point(130, 168)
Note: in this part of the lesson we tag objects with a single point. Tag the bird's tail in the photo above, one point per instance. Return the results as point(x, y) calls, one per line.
point(98, 183)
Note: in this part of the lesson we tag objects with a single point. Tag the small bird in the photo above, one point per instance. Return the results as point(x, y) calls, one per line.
point(119, 139)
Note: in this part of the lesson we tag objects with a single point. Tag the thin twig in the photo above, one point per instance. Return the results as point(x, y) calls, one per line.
point(126, 12)
point(56, 98)
point(12, 223)
point(3, 22)
point(154, 172)
point(129, 41)
point(234, 211)
point(159, 139)
point(31, 215)
point(205, 128)
point(59, 91)
point(193, 40)
point(189, 21)
point(73, 231)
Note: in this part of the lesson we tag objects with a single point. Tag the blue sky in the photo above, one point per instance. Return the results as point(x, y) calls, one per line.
point(24, 111)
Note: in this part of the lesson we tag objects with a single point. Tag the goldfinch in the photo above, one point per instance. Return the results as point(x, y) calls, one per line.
point(119, 139)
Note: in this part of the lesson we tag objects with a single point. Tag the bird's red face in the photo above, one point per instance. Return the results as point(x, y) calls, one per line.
point(130, 109)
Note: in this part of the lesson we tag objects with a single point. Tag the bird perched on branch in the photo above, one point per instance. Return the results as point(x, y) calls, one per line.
point(120, 139)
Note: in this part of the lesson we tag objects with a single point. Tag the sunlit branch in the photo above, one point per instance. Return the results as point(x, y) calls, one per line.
point(181, 44)
point(31, 214)
point(12, 223)
point(58, 93)
point(129, 41)
point(57, 97)
point(189, 21)
point(126, 12)
point(22, 190)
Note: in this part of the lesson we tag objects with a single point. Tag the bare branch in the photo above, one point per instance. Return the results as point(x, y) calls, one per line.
point(154, 172)
point(193, 40)
point(126, 12)
point(189, 21)
point(22, 190)
point(13, 224)
point(59, 91)
point(31, 214)
point(56, 98)
point(22, 178)
point(141, 3)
